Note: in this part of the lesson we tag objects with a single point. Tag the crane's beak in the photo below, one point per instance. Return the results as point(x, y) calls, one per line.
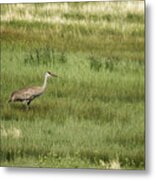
point(54, 75)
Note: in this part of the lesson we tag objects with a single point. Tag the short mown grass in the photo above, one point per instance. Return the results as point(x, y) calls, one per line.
point(92, 115)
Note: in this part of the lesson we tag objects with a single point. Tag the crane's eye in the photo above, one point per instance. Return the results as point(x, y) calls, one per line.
point(49, 72)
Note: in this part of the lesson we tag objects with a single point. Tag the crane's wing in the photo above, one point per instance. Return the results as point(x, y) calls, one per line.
point(26, 93)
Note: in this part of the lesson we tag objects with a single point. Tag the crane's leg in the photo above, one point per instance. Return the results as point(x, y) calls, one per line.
point(27, 106)
point(24, 107)
point(28, 103)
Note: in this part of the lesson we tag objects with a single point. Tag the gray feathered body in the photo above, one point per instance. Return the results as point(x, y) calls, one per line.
point(26, 94)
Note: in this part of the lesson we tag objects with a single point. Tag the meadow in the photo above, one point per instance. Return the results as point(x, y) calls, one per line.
point(92, 115)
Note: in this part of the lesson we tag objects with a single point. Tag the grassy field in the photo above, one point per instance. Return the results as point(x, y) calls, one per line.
point(92, 115)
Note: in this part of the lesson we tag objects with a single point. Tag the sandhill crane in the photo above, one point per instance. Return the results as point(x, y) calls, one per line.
point(26, 95)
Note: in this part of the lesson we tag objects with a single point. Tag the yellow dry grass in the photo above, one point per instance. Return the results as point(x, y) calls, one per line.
point(113, 164)
point(55, 10)
point(12, 132)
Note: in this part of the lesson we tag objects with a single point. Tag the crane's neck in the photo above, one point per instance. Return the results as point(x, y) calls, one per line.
point(45, 82)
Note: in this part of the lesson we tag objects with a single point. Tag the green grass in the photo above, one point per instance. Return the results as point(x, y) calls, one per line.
point(92, 115)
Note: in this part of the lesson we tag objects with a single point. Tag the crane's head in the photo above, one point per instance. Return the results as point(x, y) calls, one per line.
point(49, 74)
